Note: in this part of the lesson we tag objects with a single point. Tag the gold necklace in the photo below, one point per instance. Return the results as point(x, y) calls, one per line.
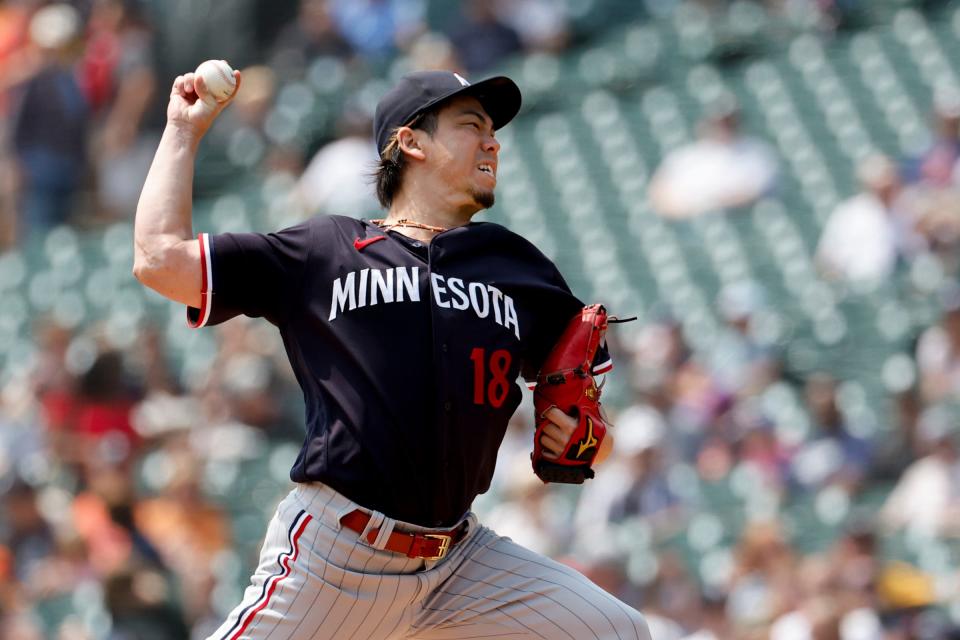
point(404, 222)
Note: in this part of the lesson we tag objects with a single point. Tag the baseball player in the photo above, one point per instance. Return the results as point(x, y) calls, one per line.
point(407, 335)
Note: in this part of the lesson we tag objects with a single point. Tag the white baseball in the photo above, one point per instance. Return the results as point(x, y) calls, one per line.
point(219, 78)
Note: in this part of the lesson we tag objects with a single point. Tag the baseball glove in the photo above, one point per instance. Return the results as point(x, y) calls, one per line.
point(566, 382)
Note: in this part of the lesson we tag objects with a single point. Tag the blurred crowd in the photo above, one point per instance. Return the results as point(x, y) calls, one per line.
point(82, 93)
point(82, 87)
point(120, 474)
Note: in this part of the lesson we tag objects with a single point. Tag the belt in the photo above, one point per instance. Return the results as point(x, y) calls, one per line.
point(429, 546)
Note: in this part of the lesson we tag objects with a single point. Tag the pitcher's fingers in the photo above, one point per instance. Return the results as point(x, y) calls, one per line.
point(559, 418)
point(237, 76)
point(552, 445)
point(555, 431)
point(203, 92)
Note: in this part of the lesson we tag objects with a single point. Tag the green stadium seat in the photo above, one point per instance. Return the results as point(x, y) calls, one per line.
point(13, 270)
point(327, 75)
point(694, 31)
point(117, 243)
point(42, 291)
point(642, 47)
point(70, 309)
point(705, 531)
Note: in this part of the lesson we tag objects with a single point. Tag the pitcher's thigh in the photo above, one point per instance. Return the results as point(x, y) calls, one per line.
point(303, 590)
point(505, 590)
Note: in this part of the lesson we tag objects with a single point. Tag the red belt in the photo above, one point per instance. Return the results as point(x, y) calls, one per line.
point(429, 546)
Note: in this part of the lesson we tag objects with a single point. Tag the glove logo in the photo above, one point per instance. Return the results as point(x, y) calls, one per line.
point(589, 442)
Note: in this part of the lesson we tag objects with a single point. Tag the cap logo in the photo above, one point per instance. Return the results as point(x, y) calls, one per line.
point(463, 81)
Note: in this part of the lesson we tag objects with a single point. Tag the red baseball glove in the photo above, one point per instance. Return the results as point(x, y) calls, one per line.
point(566, 382)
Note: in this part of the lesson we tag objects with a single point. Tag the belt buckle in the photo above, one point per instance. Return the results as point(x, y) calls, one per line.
point(444, 546)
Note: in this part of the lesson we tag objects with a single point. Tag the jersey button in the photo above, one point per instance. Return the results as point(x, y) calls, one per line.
point(443, 347)
point(448, 405)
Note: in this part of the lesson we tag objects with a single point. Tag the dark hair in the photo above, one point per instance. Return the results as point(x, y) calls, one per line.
point(389, 174)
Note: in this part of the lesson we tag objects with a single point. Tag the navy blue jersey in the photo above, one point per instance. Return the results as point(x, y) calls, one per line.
point(408, 353)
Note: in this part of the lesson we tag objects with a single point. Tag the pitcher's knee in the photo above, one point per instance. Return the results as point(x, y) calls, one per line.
point(640, 625)
point(620, 623)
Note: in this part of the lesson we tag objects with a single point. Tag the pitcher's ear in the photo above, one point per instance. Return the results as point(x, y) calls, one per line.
point(409, 141)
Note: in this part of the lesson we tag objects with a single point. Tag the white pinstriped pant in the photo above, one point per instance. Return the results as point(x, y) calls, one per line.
point(317, 580)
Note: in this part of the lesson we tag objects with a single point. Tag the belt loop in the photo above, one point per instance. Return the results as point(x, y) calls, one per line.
point(376, 519)
point(386, 529)
point(342, 511)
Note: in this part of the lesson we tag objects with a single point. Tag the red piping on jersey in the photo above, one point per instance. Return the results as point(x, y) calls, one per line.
point(202, 315)
point(285, 561)
point(359, 244)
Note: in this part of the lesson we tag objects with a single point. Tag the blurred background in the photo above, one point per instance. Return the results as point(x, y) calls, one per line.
point(772, 186)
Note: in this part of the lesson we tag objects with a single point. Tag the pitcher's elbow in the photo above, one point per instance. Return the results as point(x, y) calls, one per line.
point(139, 270)
point(147, 257)
point(143, 271)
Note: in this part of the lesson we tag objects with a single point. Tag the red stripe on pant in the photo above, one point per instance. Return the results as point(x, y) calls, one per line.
point(285, 563)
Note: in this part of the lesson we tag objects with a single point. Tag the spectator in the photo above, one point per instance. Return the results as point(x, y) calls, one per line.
point(711, 623)
point(834, 457)
point(933, 189)
point(188, 530)
point(854, 561)
point(432, 51)
point(25, 532)
point(142, 605)
point(759, 451)
point(52, 383)
point(673, 593)
point(18, 61)
point(763, 579)
point(530, 513)
point(724, 168)
point(242, 134)
point(938, 352)
point(101, 516)
point(117, 75)
point(895, 452)
point(926, 498)
point(908, 599)
point(935, 166)
point(377, 28)
point(312, 34)
point(541, 24)
point(865, 234)
point(336, 181)
point(105, 401)
point(742, 363)
point(51, 123)
point(481, 38)
point(634, 484)
point(812, 610)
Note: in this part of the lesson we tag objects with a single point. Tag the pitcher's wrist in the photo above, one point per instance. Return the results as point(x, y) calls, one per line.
point(183, 136)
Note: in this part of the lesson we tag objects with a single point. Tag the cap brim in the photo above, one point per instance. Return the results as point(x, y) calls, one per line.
point(499, 96)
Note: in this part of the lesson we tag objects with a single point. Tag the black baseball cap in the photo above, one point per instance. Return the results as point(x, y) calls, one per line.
point(419, 91)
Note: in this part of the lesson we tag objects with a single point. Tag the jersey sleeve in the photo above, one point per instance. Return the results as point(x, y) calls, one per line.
point(252, 274)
